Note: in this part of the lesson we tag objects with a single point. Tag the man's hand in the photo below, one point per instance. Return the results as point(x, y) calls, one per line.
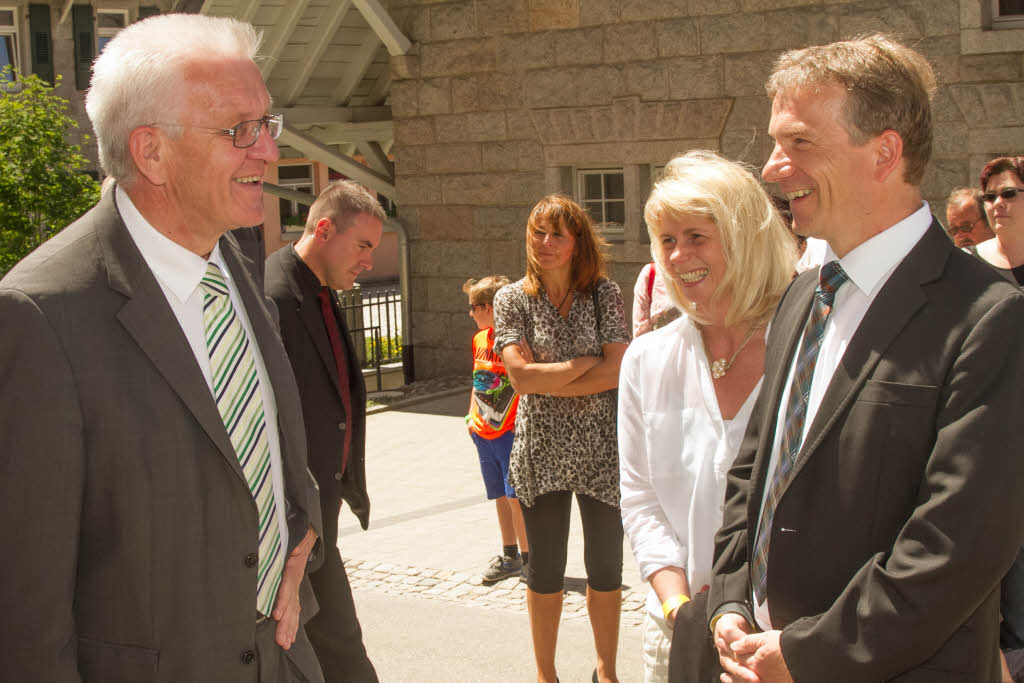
point(729, 628)
point(286, 607)
point(757, 658)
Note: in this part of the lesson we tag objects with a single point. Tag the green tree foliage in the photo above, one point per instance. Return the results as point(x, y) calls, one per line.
point(42, 184)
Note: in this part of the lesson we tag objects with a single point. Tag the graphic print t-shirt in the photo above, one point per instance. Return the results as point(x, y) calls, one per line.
point(492, 411)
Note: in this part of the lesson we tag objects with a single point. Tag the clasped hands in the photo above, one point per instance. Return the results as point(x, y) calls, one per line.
point(749, 657)
point(286, 607)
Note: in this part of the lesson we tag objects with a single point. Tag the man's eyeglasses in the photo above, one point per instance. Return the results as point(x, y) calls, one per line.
point(246, 133)
point(1007, 193)
point(954, 230)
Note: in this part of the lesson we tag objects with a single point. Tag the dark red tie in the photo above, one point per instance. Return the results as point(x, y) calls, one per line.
point(341, 366)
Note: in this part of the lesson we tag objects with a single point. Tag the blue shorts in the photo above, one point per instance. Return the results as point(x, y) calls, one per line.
point(494, 454)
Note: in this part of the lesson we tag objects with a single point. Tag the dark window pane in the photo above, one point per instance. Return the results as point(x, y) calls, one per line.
point(101, 42)
point(594, 209)
point(7, 52)
point(614, 186)
point(592, 186)
point(615, 212)
point(1011, 7)
point(295, 172)
point(7, 17)
point(109, 20)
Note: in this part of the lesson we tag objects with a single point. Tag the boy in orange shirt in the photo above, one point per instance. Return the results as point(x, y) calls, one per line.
point(491, 421)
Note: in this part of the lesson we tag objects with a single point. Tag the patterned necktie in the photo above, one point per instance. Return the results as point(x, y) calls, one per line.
point(236, 389)
point(831, 279)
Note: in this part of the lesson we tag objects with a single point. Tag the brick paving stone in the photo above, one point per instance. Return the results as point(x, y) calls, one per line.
point(476, 581)
point(413, 571)
point(459, 577)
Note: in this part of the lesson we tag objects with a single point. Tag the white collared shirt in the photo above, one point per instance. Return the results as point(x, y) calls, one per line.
point(869, 266)
point(179, 271)
point(674, 453)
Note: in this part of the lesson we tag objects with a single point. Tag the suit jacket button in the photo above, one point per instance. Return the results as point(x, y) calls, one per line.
point(337, 476)
point(251, 560)
point(341, 426)
point(248, 656)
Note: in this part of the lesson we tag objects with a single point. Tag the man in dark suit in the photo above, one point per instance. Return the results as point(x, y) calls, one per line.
point(157, 509)
point(342, 230)
point(875, 503)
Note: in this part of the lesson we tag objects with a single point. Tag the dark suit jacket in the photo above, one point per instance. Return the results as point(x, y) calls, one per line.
point(294, 288)
point(906, 508)
point(125, 518)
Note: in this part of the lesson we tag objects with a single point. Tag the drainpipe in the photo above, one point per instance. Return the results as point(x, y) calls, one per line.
point(405, 280)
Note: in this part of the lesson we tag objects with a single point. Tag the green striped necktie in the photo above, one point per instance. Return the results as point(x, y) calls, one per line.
point(236, 388)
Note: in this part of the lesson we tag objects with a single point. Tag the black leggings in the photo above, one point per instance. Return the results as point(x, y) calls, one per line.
point(547, 530)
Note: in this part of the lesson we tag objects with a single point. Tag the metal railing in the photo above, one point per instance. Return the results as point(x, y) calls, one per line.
point(373, 314)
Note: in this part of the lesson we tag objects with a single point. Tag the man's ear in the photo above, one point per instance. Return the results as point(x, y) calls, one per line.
point(888, 154)
point(147, 147)
point(324, 229)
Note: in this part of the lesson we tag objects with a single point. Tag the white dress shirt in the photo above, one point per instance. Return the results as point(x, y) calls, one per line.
point(179, 272)
point(868, 266)
point(674, 452)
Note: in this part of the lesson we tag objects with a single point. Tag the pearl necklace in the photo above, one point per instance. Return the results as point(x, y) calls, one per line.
point(722, 366)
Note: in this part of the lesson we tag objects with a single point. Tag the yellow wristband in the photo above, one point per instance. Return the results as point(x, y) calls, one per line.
point(673, 602)
point(714, 621)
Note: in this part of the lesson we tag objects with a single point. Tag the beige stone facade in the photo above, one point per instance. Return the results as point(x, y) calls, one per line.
point(502, 101)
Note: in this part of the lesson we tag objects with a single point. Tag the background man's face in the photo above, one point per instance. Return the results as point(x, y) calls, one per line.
point(965, 224)
point(214, 184)
point(349, 252)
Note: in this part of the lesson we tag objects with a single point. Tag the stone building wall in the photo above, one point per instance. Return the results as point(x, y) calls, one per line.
point(500, 100)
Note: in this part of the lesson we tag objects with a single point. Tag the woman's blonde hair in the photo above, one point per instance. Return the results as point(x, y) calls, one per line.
point(758, 250)
point(589, 260)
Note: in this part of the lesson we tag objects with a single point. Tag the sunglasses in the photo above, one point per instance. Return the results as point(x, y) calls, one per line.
point(1008, 193)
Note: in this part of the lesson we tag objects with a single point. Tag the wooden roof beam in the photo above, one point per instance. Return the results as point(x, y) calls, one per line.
point(312, 149)
point(361, 61)
point(312, 116)
point(380, 21)
point(376, 157)
point(325, 32)
point(277, 36)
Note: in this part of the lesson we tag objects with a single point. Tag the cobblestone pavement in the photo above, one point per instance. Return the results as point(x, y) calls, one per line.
point(469, 590)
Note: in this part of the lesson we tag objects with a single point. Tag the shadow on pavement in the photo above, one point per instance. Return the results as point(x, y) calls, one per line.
point(441, 406)
point(574, 585)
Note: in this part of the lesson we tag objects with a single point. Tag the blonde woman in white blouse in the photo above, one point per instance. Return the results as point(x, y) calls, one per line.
point(687, 390)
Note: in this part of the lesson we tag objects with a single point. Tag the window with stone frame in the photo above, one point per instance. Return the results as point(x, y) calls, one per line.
point(298, 177)
point(602, 192)
point(9, 42)
point(108, 23)
point(1007, 14)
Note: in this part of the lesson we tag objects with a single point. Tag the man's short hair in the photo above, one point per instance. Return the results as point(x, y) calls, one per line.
point(967, 195)
point(889, 87)
point(138, 79)
point(482, 291)
point(341, 201)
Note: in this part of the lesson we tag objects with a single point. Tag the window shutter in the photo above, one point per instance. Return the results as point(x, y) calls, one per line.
point(40, 41)
point(85, 43)
point(148, 11)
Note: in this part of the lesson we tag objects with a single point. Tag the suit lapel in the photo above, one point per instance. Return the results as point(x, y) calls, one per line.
point(312, 316)
point(149, 320)
point(897, 302)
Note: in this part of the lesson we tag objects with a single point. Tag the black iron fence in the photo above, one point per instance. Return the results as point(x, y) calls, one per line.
point(373, 314)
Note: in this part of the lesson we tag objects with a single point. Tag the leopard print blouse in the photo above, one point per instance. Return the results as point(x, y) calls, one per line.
point(563, 443)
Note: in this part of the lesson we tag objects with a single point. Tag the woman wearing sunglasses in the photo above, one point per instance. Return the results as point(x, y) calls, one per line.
point(1002, 187)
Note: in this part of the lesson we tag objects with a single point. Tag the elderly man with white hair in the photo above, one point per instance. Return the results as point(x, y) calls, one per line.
point(158, 513)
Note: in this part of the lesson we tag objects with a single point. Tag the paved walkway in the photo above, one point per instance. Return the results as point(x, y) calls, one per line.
point(431, 528)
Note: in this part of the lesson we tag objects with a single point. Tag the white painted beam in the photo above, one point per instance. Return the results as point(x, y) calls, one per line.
point(377, 158)
point(338, 133)
point(325, 31)
point(381, 88)
point(317, 151)
point(66, 11)
point(306, 116)
point(248, 10)
point(380, 21)
point(361, 60)
point(277, 36)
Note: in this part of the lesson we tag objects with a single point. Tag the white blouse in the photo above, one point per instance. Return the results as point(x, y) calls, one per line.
point(674, 452)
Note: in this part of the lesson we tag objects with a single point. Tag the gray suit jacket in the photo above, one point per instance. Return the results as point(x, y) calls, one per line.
point(126, 522)
point(905, 511)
